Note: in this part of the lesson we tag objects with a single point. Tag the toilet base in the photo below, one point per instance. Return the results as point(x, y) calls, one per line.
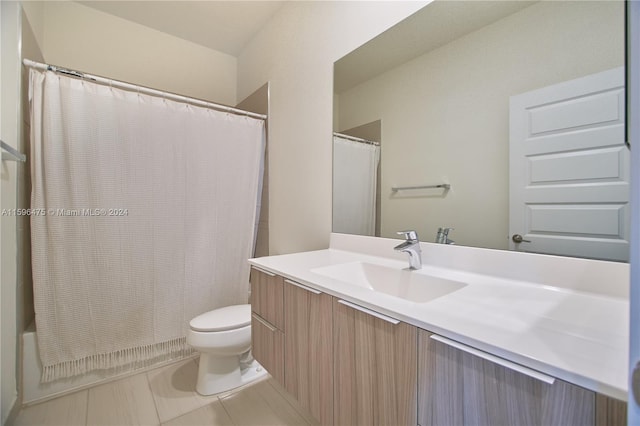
point(218, 374)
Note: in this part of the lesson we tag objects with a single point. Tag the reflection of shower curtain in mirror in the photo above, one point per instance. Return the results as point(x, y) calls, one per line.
point(149, 208)
point(355, 169)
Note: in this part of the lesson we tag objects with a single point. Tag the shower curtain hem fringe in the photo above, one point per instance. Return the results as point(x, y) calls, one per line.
point(124, 359)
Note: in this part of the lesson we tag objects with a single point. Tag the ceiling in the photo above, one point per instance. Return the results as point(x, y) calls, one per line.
point(225, 26)
point(228, 25)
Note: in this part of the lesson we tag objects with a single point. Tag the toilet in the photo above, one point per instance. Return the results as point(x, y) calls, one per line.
point(223, 338)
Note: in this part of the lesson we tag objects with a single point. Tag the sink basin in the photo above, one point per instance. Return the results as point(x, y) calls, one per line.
point(414, 286)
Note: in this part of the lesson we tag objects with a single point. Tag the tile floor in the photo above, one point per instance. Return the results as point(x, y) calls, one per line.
point(166, 396)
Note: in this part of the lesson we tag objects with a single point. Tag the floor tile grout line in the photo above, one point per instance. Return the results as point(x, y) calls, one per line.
point(86, 411)
point(153, 398)
point(266, 401)
point(295, 408)
point(226, 411)
point(204, 403)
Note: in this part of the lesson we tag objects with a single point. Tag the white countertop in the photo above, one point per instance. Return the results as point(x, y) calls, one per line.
point(577, 336)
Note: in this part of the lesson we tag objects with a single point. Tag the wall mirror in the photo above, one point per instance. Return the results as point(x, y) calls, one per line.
point(444, 96)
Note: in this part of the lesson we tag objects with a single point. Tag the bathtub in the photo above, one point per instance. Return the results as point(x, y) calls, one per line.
point(33, 391)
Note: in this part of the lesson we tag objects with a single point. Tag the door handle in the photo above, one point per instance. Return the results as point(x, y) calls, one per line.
point(264, 271)
point(517, 238)
point(304, 287)
point(496, 360)
point(369, 312)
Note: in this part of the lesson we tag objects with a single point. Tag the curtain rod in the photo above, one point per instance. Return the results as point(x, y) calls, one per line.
point(141, 89)
point(356, 139)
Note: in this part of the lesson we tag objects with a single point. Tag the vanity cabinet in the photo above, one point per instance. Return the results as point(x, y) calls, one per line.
point(267, 321)
point(375, 368)
point(349, 365)
point(308, 353)
point(458, 385)
point(308, 356)
point(291, 337)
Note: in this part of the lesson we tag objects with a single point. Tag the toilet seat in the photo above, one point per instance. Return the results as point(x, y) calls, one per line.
point(222, 337)
point(222, 319)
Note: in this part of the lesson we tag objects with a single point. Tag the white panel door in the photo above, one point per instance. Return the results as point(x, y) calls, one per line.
point(633, 103)
point(569, 169)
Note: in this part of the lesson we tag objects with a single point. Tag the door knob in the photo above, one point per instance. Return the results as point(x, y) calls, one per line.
point(517, 238)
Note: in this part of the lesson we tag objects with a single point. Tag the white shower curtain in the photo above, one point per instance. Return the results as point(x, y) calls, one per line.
point(355, 170)
point(144, 218)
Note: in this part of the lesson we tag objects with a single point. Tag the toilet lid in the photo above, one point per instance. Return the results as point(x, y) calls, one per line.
point(227, 318)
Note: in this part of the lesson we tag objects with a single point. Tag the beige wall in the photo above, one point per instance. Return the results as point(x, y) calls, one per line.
point(82, 38)
point(258, 102)
point(295, 54)
point(10, 134)
point(445, 115)
point(18, 40)
point(30, 49)
point(34, 14)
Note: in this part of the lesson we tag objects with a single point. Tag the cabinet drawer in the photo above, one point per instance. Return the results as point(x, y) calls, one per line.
point(460, 385)
point(267, 344)
point(267, 296)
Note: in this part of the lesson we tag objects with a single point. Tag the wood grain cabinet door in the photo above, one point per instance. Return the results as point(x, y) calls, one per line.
point(267, 347)
point(610, 411)
point(375, 368)
point(267, 296)
point(308, 354)
point(267, 321)
point(496, 395)
point(440, 383)
point(462, 387)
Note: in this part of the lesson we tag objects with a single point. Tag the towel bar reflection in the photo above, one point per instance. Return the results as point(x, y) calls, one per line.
point(402, 188)
point(9, 153)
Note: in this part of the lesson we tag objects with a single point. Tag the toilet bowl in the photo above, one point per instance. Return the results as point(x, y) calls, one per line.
point(223, 338)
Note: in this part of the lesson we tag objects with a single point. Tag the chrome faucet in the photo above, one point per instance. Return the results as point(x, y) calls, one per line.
point(442, 237)
point(411, 246)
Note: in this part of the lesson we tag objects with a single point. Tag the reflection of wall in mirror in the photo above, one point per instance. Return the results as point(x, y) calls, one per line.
point(445, 115)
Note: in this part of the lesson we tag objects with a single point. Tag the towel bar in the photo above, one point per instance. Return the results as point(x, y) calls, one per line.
point(11, 154)
point(402, 188)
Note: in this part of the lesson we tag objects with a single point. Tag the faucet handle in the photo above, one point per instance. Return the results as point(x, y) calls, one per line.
point(445, 231)
point(442, 237)
point(409, 235)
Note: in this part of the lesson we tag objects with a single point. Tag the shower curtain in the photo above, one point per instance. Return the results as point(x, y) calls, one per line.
point(143, 214)
point(355, 171)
